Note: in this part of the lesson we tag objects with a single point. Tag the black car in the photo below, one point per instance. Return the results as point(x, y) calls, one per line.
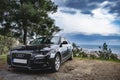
point(41, 53)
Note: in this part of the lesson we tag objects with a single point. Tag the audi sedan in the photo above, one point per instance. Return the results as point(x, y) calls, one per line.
point(41, 53)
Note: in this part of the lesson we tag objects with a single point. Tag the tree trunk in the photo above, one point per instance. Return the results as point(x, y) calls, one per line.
point(25, 36)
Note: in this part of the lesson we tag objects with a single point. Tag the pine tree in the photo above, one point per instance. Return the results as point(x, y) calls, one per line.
point(24, 18)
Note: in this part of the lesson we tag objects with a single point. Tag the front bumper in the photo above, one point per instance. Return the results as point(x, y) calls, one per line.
point(32, 63)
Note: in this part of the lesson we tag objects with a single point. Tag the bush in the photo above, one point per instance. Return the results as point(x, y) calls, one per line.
point(93, 56)
point(106, 53)
point(114, 57)
point(82, 55)
point(79, 53)
point(6, 43)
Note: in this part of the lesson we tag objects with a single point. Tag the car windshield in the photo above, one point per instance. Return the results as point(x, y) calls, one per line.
point(45, 40)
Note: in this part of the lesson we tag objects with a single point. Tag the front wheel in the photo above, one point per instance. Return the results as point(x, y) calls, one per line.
point(56, 63)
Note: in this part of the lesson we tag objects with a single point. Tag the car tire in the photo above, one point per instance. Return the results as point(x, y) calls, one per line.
point(56, 63)
point(8, 68)
point(71, 57)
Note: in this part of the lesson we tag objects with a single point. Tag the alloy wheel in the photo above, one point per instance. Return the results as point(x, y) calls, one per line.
point(57, 62)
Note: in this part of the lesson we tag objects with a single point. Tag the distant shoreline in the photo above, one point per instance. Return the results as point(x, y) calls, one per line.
point(92, 48)
point(115, 48)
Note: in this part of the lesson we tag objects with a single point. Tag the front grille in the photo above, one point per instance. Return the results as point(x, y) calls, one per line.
point(21, 55)
point(26, 56)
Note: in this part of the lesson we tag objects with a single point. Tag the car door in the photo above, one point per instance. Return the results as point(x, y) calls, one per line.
point(66, 49)
point(69, 49)
point(63, 48)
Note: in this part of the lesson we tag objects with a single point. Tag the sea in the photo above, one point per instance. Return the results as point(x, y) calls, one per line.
point(115, 48)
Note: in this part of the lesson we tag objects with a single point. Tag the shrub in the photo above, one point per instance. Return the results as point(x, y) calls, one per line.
point(93, 56)
point(6, 43)
point(106, 53)
point(114, 57)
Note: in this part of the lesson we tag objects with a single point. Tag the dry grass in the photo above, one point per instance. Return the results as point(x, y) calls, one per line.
point(74, 70)
point(89, 70)
point(2, 61)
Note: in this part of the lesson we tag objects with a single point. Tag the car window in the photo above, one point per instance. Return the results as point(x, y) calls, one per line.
point(45, 40)
point(55, 40)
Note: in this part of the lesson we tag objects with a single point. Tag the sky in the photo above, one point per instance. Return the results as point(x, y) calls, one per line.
point(89, 21)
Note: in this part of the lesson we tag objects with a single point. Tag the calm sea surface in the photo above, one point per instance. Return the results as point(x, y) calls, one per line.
point(115, 48)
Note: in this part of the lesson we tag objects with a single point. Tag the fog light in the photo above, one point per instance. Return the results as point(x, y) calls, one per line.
point(38, 61)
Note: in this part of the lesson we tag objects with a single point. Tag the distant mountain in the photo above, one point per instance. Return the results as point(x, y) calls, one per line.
point(93, 39)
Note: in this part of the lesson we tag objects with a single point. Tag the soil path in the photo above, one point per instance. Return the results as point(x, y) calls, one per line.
point(70, 70)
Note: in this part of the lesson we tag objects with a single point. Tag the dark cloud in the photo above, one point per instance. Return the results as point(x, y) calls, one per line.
point(70, 12)
point(80, 4)
point(87, 12)
point(115, 9)
point(87, 5)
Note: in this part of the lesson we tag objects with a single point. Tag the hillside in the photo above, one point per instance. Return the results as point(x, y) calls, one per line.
point(70, 70)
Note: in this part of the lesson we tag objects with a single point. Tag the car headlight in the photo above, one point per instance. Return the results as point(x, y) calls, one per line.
point(52, 51)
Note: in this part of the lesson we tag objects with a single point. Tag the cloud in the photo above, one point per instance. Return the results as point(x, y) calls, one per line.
point(99, 23)
point(87, 5)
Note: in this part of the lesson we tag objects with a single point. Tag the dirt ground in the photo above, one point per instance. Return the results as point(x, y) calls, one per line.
point(70, 70)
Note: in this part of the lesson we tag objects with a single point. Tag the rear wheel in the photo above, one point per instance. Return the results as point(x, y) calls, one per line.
point(56, 63)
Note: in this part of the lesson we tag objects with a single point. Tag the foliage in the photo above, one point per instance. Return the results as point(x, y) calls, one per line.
point(114, 57)
point(6, 43)
point(74, 45)
point(106, 53)
point(26, 18)
point(78, 52)
point(92, 56)
point(3, 57)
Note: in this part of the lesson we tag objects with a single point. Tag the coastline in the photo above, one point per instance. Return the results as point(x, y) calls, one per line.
point(91, 49)
point(115, 48)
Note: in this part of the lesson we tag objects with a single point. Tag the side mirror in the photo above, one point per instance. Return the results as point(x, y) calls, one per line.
point(64, 42)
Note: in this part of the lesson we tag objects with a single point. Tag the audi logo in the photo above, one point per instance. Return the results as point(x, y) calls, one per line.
point(19, 55)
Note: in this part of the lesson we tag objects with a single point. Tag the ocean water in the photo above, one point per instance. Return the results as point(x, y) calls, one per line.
point(115, 48)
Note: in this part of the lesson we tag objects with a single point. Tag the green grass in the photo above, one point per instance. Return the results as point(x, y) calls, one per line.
point(3, 57)
point(97, 59)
